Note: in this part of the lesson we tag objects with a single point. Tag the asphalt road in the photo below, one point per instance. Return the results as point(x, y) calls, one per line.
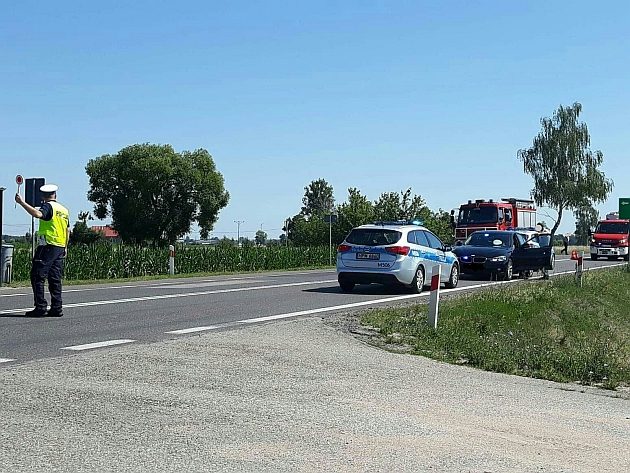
point(231, 394)
point(105, 316)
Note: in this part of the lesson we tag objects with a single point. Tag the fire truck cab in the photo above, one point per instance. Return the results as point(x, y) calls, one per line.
point(482, 214)
point(610, 238)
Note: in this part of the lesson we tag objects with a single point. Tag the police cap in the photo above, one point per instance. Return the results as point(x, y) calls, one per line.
point(48, 189)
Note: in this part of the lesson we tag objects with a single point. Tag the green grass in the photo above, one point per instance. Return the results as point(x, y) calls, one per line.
point(549, 329)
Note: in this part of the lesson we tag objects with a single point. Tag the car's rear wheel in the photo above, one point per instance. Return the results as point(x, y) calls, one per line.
point(453, 280)
point(417, 285)
point(346, 286)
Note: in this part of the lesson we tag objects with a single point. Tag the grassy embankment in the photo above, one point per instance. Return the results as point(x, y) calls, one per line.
point(549, 329)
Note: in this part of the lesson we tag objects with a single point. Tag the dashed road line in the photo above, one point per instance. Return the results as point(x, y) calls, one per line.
point(194, 329)
point(6, 360)
point(90, 346)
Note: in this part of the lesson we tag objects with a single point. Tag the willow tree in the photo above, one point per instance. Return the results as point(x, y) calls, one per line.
point(565, 170)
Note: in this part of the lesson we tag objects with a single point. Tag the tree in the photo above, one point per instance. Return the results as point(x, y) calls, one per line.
point(318, 198)
point(395, 206)
point(586, 219)
point(311, 232)
point(357, 210)
point(565, 170)
point(82, 234)
point(155, 194)
point(261, 237)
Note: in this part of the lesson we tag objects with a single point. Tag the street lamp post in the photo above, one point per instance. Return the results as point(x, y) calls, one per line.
point(238, 232)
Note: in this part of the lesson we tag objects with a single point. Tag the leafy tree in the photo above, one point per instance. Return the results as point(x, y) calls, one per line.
point(586, 219)
point(398, 206)
point(439, 223)
point(261, 237)
point(155, 194)
point(565, 170)
point(311, 232)
point(81, 233)
point(318, 198)
point(357, 210)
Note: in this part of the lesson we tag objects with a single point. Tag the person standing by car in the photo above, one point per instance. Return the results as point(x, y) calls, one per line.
point(53, 234)
point(565, 243)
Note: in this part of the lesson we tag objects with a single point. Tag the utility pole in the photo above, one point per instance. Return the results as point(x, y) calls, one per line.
point(2, 189)
point(238, 232)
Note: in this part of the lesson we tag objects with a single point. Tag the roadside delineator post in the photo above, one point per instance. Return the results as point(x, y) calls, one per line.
point(579, 265)
point(434, 300)
point(171, 259)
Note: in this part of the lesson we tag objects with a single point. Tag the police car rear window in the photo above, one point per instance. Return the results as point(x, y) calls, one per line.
point(373, 237)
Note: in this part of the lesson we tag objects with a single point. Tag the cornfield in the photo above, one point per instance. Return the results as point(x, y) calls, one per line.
point(104, 261)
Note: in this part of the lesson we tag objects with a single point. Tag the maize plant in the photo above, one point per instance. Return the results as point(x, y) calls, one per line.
point(105, 261)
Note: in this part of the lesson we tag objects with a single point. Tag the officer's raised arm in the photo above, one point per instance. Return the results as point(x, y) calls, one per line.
point(31, 210)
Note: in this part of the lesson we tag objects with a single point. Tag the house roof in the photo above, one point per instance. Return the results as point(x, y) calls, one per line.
point(106, 230)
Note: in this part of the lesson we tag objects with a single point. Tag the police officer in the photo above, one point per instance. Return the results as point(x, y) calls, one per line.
point(53, 234)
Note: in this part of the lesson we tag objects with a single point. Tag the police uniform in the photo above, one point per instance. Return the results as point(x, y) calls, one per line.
point(49, 255)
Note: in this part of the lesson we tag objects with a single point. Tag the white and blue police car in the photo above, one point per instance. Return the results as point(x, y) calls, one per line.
point(394, 253)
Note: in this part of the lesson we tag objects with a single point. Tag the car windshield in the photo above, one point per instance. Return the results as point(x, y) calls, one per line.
point(373, 237)
point(619, 228)
point(490, 239)
point(474, 215)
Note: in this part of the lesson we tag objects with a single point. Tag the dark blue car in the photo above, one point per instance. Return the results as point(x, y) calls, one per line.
point(501, 254)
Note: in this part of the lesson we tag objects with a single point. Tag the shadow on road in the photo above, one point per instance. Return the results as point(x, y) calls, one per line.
point(365, 289)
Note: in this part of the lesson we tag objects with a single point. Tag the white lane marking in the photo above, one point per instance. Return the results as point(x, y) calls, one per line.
point(172, 283)
point(6, 360)
point(194, 329)
point(208, 284)
point(176, 296)
point(355, 304)
point(89, 346)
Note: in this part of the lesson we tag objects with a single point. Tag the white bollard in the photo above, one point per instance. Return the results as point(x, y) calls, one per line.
point(434, 300)
point(171, 259)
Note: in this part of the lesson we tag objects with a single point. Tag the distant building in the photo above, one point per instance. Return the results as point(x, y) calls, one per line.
point(108, 232)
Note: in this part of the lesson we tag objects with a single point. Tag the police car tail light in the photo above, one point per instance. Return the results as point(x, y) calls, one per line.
point(343, 248)
point(398, 250)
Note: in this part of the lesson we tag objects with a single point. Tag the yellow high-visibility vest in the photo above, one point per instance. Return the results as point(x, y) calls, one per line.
point(55, 230)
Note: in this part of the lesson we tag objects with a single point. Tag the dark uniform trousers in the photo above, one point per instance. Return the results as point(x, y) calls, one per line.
point(47, 264)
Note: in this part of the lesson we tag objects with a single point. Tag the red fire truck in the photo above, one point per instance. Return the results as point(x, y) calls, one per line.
point(493, 215)
point(610, 238)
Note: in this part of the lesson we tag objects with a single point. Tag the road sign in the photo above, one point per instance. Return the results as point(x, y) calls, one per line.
point(624, 207)
point(32, 194)
point(19, 180)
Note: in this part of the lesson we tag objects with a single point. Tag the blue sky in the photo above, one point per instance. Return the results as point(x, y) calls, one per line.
point(378, 95)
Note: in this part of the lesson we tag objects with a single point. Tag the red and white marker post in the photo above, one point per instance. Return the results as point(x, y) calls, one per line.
point(579, 265)
point(171, 259)
point(434, 300)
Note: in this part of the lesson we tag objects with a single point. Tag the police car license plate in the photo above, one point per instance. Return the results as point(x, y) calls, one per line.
point(370, 256)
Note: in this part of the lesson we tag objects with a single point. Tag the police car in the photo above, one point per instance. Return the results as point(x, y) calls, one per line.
point(394, 253)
